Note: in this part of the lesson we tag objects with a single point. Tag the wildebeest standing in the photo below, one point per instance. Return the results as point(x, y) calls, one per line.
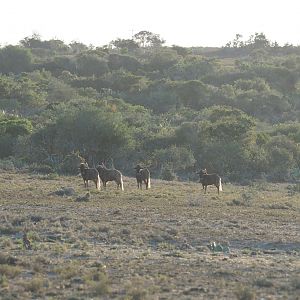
point(142, 174)
point(89, 174)
point(210, 179)
point(110, 175)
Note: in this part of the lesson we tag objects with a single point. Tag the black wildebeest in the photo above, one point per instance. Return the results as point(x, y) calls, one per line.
point(142, 174)
point(89, 174)
point(110, 175)
point(210, 179)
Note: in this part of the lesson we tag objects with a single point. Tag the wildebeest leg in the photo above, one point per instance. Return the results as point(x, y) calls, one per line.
point(119, 184)
point(95, 181)
point(146, 183)
point(205, 187)
point(218, 189)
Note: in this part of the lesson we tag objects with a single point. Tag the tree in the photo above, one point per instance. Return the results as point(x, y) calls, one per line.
point(192, 68)
point(128, 44)
point(95, 133)
point(91, 65)
point(160, 96)
point(194, 94)
point(58, 91)
point(173, 158)
point(123, 81)
point(33, 41)
point(23, 90)
point(228, 158)
point(77, 47)
point(279, 146)
point(11, 127)
point(257, 84)
point(15, 59)
point(226, 123)
point(14, 125)
point(188, 134)
point(163, 59)
point(258, 40)
point(116, 61)
point(57, 46)
point(58, 64)
point(148, 39)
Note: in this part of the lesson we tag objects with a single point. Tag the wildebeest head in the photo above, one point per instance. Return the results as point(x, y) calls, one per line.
point(100, 165)
point(202, 172)
point(83, 166)
point(138, 168)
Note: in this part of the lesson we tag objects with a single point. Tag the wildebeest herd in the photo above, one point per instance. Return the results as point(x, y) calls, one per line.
point(142, 176)
point(105, 174)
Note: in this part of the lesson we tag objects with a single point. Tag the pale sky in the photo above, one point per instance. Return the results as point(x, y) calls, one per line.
point(184, 23)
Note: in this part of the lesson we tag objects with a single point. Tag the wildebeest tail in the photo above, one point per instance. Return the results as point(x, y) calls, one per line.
point(220, 185)
point(121, 181)
point(98, 182)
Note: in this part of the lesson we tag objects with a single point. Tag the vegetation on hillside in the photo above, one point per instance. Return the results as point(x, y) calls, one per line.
point(234, 110)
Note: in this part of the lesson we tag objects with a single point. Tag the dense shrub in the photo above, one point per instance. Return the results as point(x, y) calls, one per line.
point(233, 110)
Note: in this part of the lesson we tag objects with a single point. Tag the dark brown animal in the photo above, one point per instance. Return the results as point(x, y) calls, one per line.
point(210, 179)
point(89, 174)
point(142, 175)
point(110, 175)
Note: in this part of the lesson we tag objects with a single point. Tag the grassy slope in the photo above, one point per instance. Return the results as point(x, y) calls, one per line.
point(147, 244)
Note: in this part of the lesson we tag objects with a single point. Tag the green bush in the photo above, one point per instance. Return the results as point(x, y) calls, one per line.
point(7, 165)
point(70, 164)
point(167, 174)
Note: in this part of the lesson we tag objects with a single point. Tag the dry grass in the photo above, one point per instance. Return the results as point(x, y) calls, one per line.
point(147, 244)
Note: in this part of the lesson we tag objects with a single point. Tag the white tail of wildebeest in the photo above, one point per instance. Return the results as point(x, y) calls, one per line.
point(210, 179)
point(110, 175)
point(142, 175)
point(89, 174)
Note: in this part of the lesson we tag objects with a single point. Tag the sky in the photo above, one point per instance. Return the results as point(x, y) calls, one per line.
point(184, 23)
